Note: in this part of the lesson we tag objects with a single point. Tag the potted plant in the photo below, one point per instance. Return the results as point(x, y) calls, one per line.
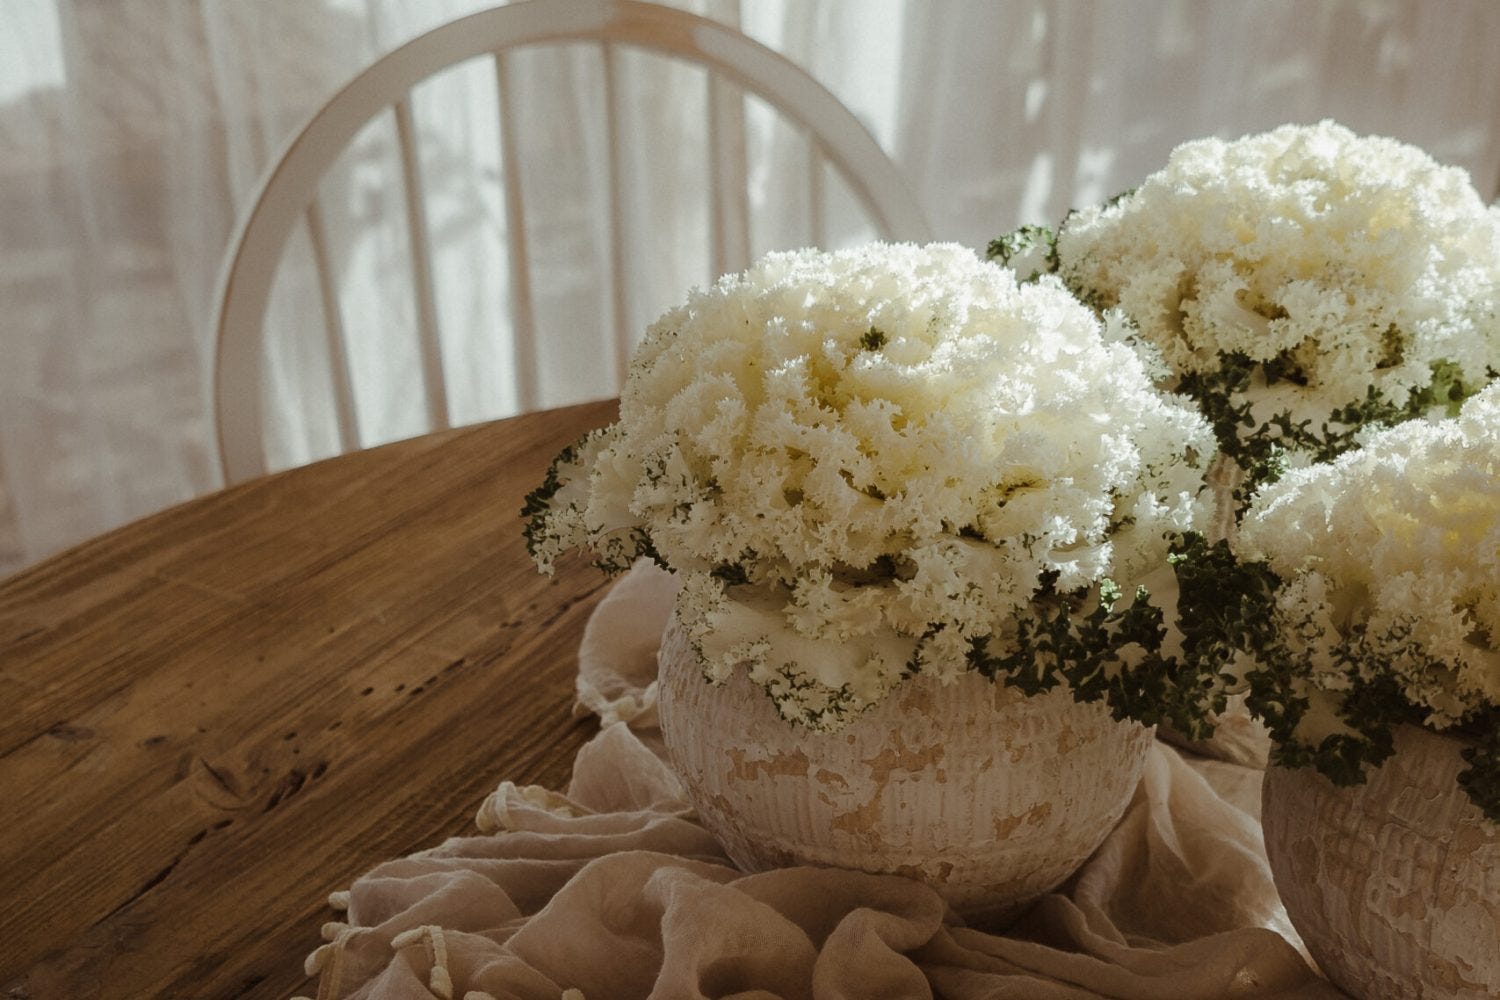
point(1302, 287)
point(905, 498)
point(1366, 597)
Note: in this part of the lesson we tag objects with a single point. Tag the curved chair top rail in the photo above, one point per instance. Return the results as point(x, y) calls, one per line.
point(249, 270)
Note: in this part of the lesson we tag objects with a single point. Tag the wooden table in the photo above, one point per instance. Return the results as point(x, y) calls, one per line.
point(214, 717)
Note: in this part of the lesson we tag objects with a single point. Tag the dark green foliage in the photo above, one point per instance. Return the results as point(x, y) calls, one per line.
point(623, 553)
point(1006, 249)
point(1110, 654)
point(1225, 604)
point(1261, 448)
point(838, 703)
point(1481, 780)
point(534, 508)
point(874, 340)
point(731, 574)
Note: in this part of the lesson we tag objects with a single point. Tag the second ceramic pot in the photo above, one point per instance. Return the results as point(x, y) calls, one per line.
point(1394, 885)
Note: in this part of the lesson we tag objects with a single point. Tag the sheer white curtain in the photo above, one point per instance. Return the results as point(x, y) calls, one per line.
point(132, 131)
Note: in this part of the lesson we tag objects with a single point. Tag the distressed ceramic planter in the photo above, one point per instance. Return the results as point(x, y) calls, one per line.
point(991, 797)
point(1394, 885)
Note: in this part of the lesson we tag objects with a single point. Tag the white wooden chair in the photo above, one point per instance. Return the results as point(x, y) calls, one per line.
point(289, 191)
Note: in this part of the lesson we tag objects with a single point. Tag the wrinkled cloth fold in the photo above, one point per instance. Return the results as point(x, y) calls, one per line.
point(611, 889)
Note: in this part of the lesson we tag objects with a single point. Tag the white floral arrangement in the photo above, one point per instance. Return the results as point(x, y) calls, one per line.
point(892, 459)
point(1375, 595)
point(1303, 285)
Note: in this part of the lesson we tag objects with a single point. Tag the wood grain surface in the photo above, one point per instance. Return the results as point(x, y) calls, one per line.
point(214, 717)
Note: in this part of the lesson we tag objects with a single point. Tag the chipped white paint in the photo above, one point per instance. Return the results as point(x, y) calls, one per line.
point(991, 797)
point(1394, 885)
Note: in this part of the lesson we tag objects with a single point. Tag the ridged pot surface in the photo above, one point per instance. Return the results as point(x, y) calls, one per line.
point(1394, 885)
point(991, 797)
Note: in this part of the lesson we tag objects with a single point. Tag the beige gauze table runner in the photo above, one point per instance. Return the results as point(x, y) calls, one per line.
point(613, 890)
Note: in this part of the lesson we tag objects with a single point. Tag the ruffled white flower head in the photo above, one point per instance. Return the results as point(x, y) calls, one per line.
point(1391, 557)
point(1340, 263)
point(860, 462)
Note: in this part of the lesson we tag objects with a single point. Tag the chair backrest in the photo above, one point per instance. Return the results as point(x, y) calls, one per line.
point(288, 192)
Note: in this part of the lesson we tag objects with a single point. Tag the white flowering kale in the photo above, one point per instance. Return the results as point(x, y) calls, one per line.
point(1302, 286)
point(1376, 585)
point(885, 460)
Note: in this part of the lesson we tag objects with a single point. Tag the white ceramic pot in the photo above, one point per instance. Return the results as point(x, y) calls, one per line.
point(991, 797)
point(1394, 885)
